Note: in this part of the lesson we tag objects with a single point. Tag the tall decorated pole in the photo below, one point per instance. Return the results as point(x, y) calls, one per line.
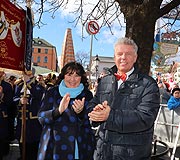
point(92, 28)
point(23, 127)
point(29, 36)
point(28, 56)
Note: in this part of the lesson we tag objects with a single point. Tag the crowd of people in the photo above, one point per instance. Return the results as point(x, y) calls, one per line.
point(169, 92)
point(15, 92)
point(61, 111)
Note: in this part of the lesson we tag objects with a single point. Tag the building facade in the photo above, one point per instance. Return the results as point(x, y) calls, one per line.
point(97, 66)
point(44, 54)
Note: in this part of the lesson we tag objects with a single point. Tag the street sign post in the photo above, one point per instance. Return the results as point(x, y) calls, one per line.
point(92, 28)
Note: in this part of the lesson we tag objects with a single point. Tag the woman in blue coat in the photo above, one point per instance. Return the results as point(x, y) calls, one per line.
point(67, 134)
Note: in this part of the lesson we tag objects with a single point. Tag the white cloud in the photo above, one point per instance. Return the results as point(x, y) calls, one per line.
point(116, 29)
point(66, 12)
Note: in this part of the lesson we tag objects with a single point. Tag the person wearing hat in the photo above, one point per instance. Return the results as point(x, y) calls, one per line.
point(6, 99)
point(174, 100)
point(29, 93)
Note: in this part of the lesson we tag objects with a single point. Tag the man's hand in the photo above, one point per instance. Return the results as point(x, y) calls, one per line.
point(100, 112)
point(64, 103)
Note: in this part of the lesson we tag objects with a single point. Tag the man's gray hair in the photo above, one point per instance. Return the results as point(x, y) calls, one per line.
point(127, 41)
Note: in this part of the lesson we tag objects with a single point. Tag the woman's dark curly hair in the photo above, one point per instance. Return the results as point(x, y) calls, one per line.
point(72, 67)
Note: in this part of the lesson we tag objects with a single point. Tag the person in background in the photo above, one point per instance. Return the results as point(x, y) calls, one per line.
point(125, 106)
point(6, 99)
point(29, 93)
point(174, 86)
point(12, 111)
point(166, 85)
point(172, 83)
point(104, 72)
point(40, 80)
point(174, 101)
point(50, 80)
point(91, 87)
point(12, 79)
point(158, 77)
point(67, 133)
point(164, 94)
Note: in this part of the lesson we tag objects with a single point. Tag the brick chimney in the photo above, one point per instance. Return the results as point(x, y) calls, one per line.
point(67, 54)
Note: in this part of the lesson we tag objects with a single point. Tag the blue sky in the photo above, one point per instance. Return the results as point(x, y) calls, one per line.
point(54, 33)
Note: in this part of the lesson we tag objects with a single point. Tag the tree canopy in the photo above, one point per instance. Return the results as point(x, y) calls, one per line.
point(140, 17)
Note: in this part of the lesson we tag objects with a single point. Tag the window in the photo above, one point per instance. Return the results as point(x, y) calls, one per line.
point(46, 51)
point(45, 59)
point(39, 50)
point(38, 59)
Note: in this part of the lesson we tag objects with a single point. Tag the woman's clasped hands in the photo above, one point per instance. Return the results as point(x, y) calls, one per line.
point(77, 106)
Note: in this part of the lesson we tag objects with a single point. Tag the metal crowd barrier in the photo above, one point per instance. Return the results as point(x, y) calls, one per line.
point(159, 149)
point(167, 131)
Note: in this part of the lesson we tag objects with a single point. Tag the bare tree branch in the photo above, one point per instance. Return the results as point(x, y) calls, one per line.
point(168, 7)
point(140, 17)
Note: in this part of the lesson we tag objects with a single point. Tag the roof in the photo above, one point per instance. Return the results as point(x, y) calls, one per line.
point(38, 70)
point(104, 59)
point(41, 42)
point(41, 70)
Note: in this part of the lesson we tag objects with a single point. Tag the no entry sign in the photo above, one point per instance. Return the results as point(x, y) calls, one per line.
point(92, 27)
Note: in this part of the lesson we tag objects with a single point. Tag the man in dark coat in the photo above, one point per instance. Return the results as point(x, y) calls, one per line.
point(34, 92)
point(125, 107)
point(6, 99)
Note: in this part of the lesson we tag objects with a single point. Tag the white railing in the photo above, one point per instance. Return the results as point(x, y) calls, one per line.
point(167, 127)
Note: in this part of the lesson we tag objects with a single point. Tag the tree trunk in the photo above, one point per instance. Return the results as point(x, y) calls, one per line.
point(143, 35)
point(140, 26)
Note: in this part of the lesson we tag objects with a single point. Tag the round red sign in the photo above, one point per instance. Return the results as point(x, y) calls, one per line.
point(92, 27)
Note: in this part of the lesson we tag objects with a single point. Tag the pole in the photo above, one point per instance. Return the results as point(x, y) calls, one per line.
point(90, 62)
point(23, 127)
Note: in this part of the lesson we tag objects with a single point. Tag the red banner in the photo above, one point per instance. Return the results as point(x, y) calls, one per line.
point(12, 36)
